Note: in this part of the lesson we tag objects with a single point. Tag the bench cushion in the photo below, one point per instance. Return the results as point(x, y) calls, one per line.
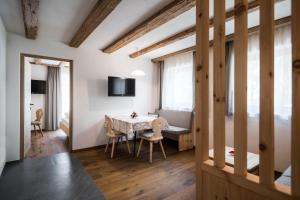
point(177, 118)
point(173, 132)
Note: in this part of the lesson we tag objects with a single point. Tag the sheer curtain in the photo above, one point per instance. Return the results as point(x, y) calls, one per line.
point(65, 94)
point(282, 73)
point(177, 89)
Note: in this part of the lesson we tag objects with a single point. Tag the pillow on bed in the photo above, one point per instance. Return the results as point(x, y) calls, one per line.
point(287, 172)
point(67, 115)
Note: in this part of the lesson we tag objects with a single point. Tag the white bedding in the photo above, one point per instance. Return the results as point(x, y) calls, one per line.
point(65, 121)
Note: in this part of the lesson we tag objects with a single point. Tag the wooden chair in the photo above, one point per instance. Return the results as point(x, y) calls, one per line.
point(154, 137)
point(114, 136)
point(37, 122)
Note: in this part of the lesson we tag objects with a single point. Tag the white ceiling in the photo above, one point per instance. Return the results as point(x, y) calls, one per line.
point(59, 20)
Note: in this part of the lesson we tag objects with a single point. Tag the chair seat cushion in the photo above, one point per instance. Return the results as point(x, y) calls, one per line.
point(116, 134)
point(150, 136)
point(35, 123)
point(173, 132)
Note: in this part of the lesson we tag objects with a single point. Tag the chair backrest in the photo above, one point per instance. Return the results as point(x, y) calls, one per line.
point(158, 125)
point(109, 125)
point(38, 115)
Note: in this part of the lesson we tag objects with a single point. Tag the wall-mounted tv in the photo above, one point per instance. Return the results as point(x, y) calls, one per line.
point(38, 87)
point(121, 86)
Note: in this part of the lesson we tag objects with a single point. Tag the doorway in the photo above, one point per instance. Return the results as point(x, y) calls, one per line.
point(46, 105)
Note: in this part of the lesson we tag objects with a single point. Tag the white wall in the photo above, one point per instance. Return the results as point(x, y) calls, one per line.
point(27, 100)
point(91, 68)
point(38, 72)
point(2, 94)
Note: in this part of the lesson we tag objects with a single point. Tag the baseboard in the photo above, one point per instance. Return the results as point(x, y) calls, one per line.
point(89, 148)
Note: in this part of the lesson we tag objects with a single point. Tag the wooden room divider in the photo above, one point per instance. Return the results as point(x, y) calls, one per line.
point(216, 180)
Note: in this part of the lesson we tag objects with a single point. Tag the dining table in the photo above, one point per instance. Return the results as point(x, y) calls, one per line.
point(131, 126)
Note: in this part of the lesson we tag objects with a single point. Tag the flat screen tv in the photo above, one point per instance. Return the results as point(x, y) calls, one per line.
point(38, 87)
point(121, 86)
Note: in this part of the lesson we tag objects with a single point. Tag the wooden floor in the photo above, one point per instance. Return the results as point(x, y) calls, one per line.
point(53, 142)
point(125, 177)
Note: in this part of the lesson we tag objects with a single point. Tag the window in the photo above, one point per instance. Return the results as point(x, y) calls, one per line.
point(177, 83)
point(282, 74)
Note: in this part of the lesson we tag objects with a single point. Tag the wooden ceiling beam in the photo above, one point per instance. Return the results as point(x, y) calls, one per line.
point(170, 11)
point(30, 9)
point(97, 15)
point(253, 5)
point(278, 23)
point(162, 58)
point(174, 38)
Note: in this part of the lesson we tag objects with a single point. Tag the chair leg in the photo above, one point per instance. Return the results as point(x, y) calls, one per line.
point(162, 149)
point(41, 130)
point(118, 140)
point(35, 132)
point(127, 143)
point(113, 147)
point(151, 150)
point(140, 146)
point(107, 145)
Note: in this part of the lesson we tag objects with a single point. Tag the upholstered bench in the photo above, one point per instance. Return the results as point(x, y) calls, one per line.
point(180, 127)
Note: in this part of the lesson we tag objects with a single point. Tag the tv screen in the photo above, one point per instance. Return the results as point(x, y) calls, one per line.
point(38, 87)
point(121, 86)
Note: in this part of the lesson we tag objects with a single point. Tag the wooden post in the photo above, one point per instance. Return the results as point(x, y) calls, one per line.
point(296, 99)
point(219, 84)
point(202, 85)
point(240, 91)
point(266, 122)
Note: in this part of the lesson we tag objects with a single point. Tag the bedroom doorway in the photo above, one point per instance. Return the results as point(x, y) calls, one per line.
point(46, 104)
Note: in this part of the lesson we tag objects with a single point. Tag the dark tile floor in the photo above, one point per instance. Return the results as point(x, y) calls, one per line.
point(56, 177)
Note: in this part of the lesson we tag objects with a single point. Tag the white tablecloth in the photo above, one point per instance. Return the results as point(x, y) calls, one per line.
point(128, 125)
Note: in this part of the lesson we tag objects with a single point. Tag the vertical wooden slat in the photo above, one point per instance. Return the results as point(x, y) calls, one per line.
point(266, 122)
point(202, 87)
point(240, 91)
point(219, 84)
point(296, 99)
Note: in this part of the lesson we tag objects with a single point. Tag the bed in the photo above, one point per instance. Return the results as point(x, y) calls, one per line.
point(285, 178)
point(64, 124)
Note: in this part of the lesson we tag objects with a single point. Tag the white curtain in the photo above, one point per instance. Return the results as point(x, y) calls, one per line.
point(65, 88)
point(177, 89)
point(282, 71)
point(253, 75)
